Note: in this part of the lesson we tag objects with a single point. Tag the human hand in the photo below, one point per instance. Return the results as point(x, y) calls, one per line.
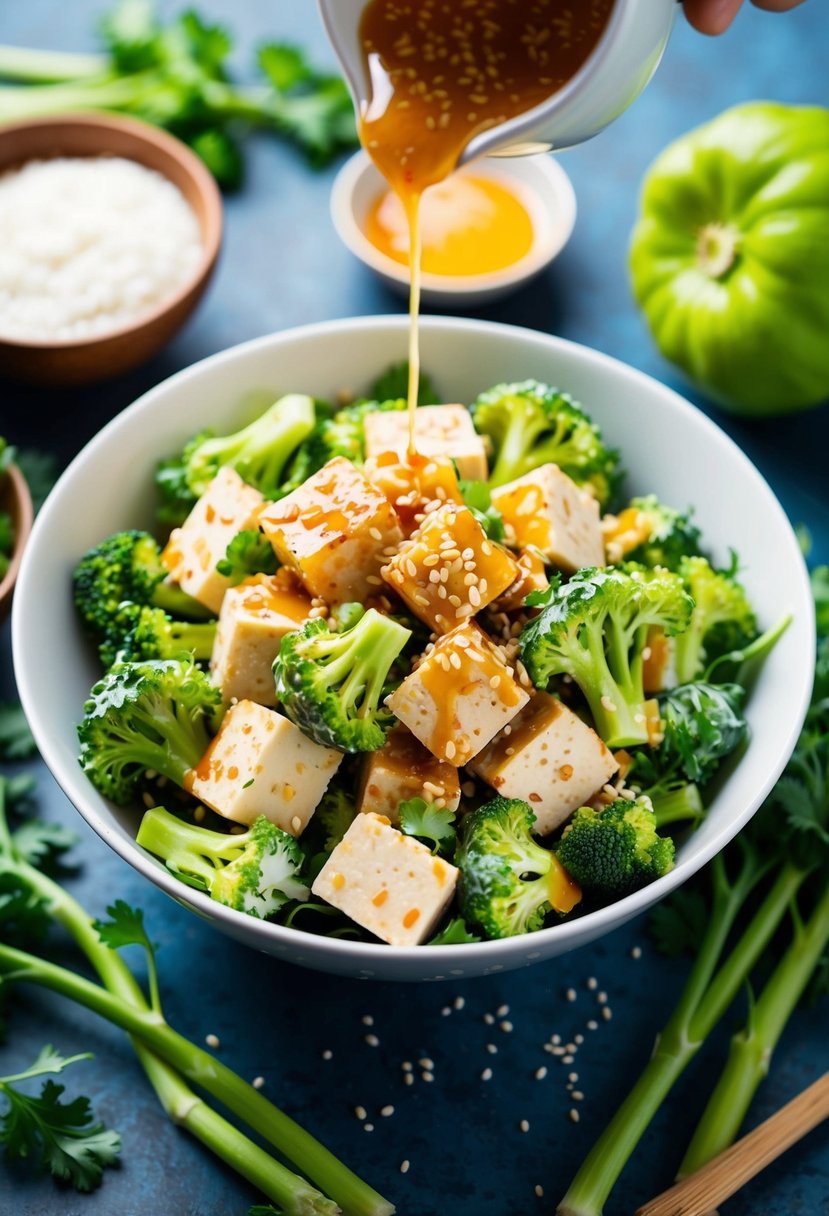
point(715, 16)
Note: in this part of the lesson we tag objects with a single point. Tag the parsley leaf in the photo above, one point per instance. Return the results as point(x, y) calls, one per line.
point(16, 740)
point(429, 822)
point(41, 843)
point(63, 1137)
point(126, 928)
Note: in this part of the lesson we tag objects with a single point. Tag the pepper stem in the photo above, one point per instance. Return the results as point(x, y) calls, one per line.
point(717, 247)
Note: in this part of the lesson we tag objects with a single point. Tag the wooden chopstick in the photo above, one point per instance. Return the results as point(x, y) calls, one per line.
point(702, 1191)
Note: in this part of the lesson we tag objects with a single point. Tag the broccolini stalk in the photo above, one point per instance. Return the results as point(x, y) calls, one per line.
point(708, 993)
point(179, 1101)
point(752, 1047)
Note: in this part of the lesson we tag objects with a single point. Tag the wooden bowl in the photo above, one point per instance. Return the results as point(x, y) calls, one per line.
point(84, 361)
point(16, 501)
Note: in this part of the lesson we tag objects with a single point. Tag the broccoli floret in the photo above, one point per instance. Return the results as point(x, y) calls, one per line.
point(154, 715)
point(339, 434)
point(334, 815)
point(249, 552)
point(138, 632)
point(615, 850)
point(256, 871)
point(671, 534)
point(722, 620)
point(530, 424)
point(595, 629)
point(126, 566)
point(394, 382)
point(701, 725)
point(508, 883)
point(259, 453)
point(330, 684)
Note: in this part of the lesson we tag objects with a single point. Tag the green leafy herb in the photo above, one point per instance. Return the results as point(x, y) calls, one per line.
point(40, 844)
point(248, 553)
point(64, 1137)
point(477, 496)
point(428, 822)
point(126, 928)
point(394, 384)
point(16, 739)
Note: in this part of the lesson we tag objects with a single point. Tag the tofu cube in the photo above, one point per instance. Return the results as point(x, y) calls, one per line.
point(332, 531)
point(448, 570)
point(532, 576)
point(254, 618)
point(387, 882)
point(403, 768)
point(227, 506)
point(460, 696)
point(548, 510)
point(439, 430)
point(414, 485)
point(261, 764)
point(550, 759)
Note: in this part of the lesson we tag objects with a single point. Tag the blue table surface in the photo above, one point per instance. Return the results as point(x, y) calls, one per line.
point(282, 265)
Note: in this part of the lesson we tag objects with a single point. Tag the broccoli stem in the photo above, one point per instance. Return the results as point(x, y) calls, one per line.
point(752, 1048)
point(178, 603)
point(706, 997)
point(196, 1065)
point(48, 67)
point(197, 637)
point(678, 805)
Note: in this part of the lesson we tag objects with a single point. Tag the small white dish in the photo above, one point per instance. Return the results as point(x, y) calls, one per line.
point(669, 448)
point(539, 182)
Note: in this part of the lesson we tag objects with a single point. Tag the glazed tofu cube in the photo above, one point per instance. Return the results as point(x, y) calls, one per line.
point(227, 506)
point(387, 882)
point(414, 485)
point(254, 618)
point(332, 531)
point(448, 570)
point(547, 510)
point(439, 430)
point(624, 532)
point(532, 576)
point(550, 759)
point(403, 768)
point(261, 764)
point(460, 696)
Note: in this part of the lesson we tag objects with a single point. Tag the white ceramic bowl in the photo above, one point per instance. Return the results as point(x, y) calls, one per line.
point(539, 182)
point(669, 448)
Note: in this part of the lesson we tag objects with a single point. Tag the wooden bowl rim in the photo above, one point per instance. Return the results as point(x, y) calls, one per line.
point(25, 513)
point(194, 167)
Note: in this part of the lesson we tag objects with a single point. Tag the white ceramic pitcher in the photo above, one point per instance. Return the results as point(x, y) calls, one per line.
point(620, 66)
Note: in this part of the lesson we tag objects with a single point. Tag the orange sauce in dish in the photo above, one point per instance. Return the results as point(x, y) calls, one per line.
point(441, 72)
point(469, 225)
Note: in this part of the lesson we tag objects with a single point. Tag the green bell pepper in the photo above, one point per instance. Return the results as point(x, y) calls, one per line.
point(730, 256)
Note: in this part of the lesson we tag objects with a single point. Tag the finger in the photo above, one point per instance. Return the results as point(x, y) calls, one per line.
point(713, 16)
point(777, 6)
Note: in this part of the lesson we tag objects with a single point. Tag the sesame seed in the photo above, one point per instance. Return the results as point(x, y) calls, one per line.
point(459, 1002)
point(592, 983)
point(573, 1076)
point(387, 1111)
point(360, 1112)
point(570, 994)
point(427, 1076)
point(367, 1019)
point(408, 1078)
point(372, 1040)
point(368, 1127)
point(426, 1063)
point(406, 1066)
point(601, 997)
point(258, 1082)
point(506, 1027)
point(492, 1049)
point(449, 749)
point(212, 1040)
point(486, 1075)
point(574, 1115)
point(445, 1011)
point(296, 823)
point(375, 534)
point(404, 1167)
point(578, 1039)
point(540, 1073)
point(328, 1054)
point(607, 1013)
point(489, 1019)
point(556, 1038)
point(502, 1011)
point(592, 1025)
point(539, 1190)
point(524, 1125)
point(567, 1060)
point(577, 1095)
point(636, 952)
